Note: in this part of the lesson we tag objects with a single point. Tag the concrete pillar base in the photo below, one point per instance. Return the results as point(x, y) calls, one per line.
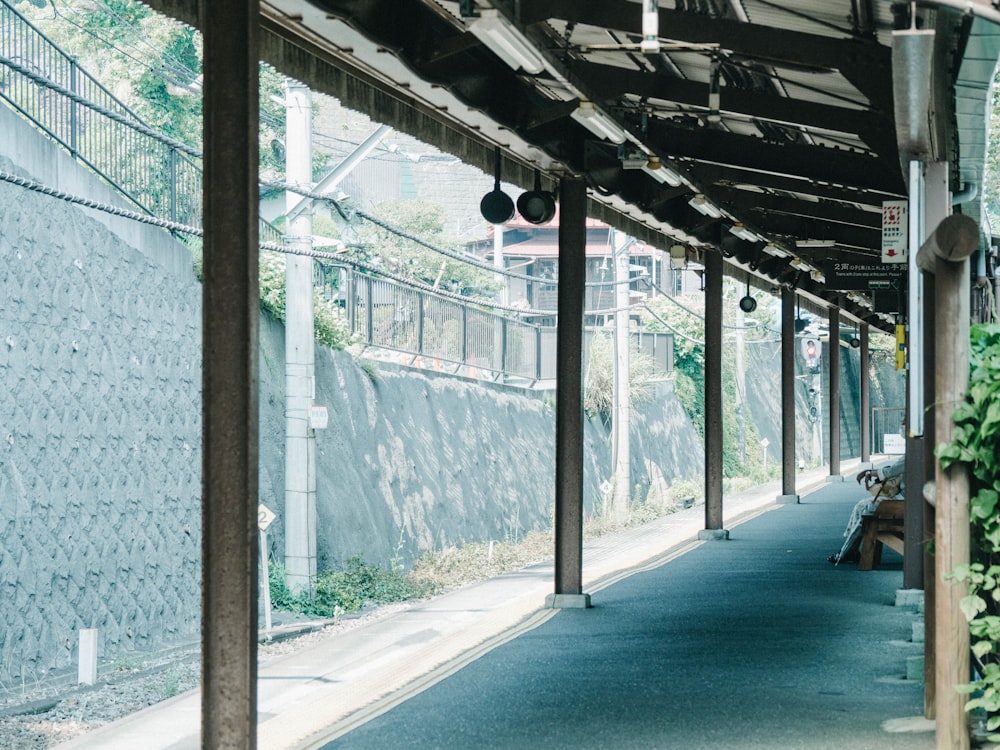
point(713, 535)
point(910, 598)
point(787, 499)
point(834, 478)
point(567, 601)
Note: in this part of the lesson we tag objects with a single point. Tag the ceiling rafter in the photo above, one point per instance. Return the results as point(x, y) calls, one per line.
point(863, 62)
point(608, 81)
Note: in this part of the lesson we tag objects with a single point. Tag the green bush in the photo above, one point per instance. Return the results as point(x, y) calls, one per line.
point(357, 584)
point(977, 444)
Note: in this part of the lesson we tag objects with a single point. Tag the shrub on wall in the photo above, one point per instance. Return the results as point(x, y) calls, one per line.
point(977, 444)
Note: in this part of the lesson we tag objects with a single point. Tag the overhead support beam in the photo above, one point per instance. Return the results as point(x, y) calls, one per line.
point(610, 81)
point(569, 396)
point(788, 458)
point(765, 203)
point(713, 172)
point(713, 397)
point(230, 319)
point(860, 171)
point(862, 61)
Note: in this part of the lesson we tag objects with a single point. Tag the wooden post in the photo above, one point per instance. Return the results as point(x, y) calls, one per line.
point(713, 397)
point(834, 394)
point(866, 404)
point(788, 463)
point(930, 326)
point(945, 254)
point(569, 397)
point(230, 320)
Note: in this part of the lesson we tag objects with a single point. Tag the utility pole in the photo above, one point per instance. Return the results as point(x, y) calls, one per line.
point(300, 439)
point(621, 451)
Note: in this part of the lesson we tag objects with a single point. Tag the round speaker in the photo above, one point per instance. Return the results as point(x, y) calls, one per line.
point(536, 206)
point(496, 207)
point(748, 304)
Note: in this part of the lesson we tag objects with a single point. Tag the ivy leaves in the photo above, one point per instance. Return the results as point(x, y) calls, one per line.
point(976, 443)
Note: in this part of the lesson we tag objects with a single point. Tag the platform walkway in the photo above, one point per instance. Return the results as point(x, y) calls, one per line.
point(755, 642)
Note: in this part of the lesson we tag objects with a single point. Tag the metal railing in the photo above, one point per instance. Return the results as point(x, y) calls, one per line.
point(459, 337)
point(159, 175)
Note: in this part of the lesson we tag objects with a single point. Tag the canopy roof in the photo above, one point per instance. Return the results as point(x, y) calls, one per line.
point(801, 151)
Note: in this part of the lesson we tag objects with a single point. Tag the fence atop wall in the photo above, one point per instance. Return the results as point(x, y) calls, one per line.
point(441, 333)
point(159, 175)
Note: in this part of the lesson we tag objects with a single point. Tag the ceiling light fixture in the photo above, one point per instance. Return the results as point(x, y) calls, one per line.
point(701, 204)
point(776, 250)
point(818, 277)
point(598, 123)
point(742, 232)
point(650, 27)
point(800, 265)
point(815, 243)
point(506, 42)
point(655, 169)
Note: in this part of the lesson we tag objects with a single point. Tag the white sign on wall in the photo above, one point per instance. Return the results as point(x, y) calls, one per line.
point(894, 235)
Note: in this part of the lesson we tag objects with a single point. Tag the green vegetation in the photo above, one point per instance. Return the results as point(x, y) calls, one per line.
point(977, 444)
point(688, 327)
point(599, 391)
point(400, 255)
point(357, 584)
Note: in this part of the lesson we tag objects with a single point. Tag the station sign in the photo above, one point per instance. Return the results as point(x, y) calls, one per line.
point(847, 276)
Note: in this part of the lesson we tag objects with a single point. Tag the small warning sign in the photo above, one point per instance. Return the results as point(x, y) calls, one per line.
point(894, 231)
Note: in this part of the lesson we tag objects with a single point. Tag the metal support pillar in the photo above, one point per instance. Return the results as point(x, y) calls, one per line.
point(788, 459)
point(713, 398)
point(300, 355)
point(834, 395)
point(569, 396)
point(864, 378)
point(230, 319)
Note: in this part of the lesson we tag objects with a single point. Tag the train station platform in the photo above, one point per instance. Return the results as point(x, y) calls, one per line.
point(753, 642)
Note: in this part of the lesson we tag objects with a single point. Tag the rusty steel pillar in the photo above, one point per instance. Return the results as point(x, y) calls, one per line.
point(569, 396)
point(713, 398)
point(834, 395)
point(230, 319)
point(788, 458)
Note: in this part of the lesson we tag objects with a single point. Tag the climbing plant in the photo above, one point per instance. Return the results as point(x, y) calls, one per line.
point(977, 444)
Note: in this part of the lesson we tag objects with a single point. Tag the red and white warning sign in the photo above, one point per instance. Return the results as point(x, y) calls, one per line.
point(894, 231)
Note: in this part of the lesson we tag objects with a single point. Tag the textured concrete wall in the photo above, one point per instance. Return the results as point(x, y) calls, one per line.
point(99, 424)
point(412, 462)
point(100, 435)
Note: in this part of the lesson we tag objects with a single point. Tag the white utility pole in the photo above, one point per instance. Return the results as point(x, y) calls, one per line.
point(300, 439)
point(621, 452)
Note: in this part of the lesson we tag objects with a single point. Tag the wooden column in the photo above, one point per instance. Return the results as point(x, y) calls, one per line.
point(230, 317)
point(569, 397)
point(834, 394)
point(866, 404)
point(788, 458)
point(713, 397)
point(945, 254)
point(930, 367)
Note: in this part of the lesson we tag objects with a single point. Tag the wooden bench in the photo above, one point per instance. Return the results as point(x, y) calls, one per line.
point(883, 526)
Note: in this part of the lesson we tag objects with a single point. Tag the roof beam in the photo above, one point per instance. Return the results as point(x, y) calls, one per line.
point(844, 167)
point(609, 81)
point(744, 201)
point(724, 175)
point(864, 63)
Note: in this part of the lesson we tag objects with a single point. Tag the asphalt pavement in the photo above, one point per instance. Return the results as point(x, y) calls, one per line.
point(753, 642)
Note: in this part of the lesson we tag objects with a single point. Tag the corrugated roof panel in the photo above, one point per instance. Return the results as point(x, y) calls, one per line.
point(825, 18)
